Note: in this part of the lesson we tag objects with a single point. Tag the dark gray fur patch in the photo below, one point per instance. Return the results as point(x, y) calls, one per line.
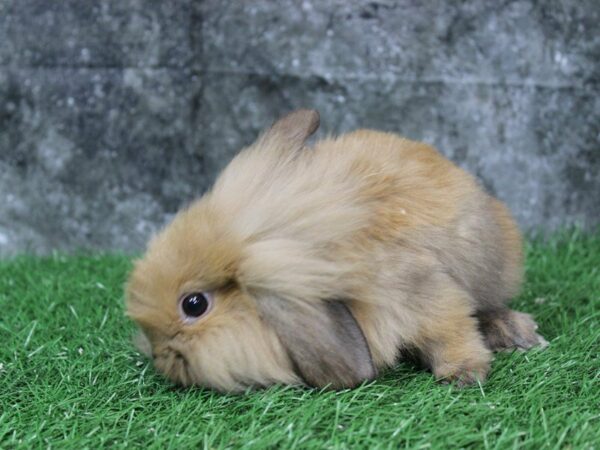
point(472, 254)
point(323, 340)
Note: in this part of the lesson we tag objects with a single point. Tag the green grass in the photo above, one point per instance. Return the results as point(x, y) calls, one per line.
point(70, 378)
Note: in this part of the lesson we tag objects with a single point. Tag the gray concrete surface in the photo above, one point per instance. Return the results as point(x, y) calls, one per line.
point(114, 114)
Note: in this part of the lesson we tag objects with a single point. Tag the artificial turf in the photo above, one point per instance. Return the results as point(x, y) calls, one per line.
point(70, 378)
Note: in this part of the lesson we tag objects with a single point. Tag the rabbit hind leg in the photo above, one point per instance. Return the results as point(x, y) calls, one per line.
point(451, 343)
point(505, 329)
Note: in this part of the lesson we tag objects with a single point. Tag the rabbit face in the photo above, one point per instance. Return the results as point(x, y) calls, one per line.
point(197, 324)
point(230, 351)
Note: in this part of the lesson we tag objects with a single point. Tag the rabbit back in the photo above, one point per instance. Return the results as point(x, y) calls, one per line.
point(427, 220)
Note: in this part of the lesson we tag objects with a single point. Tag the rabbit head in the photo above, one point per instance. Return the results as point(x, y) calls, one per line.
point(229, 295)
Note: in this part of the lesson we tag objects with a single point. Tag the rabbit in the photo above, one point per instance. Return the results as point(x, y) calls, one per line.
point(322, 265)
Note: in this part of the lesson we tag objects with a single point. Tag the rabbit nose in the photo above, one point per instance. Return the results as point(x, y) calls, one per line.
point(178, 355)
point(176, 351)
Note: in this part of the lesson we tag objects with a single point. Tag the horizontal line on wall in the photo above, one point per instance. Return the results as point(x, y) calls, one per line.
point(329, 77)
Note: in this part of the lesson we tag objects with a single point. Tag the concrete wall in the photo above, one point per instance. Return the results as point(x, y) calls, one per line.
point(115, 113)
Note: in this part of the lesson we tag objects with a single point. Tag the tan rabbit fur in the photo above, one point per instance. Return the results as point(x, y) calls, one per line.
point(324, 263)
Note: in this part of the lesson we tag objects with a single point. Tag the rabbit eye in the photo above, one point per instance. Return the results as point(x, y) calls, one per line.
point(196, 304)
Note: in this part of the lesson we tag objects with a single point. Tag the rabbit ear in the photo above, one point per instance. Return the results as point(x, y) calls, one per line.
point(324, 341)
point(294, 128)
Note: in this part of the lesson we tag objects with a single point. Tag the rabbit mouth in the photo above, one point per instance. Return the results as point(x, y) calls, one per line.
point(174, 364)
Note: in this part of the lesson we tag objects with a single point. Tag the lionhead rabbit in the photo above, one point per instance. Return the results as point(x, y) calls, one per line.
point(320, 265)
